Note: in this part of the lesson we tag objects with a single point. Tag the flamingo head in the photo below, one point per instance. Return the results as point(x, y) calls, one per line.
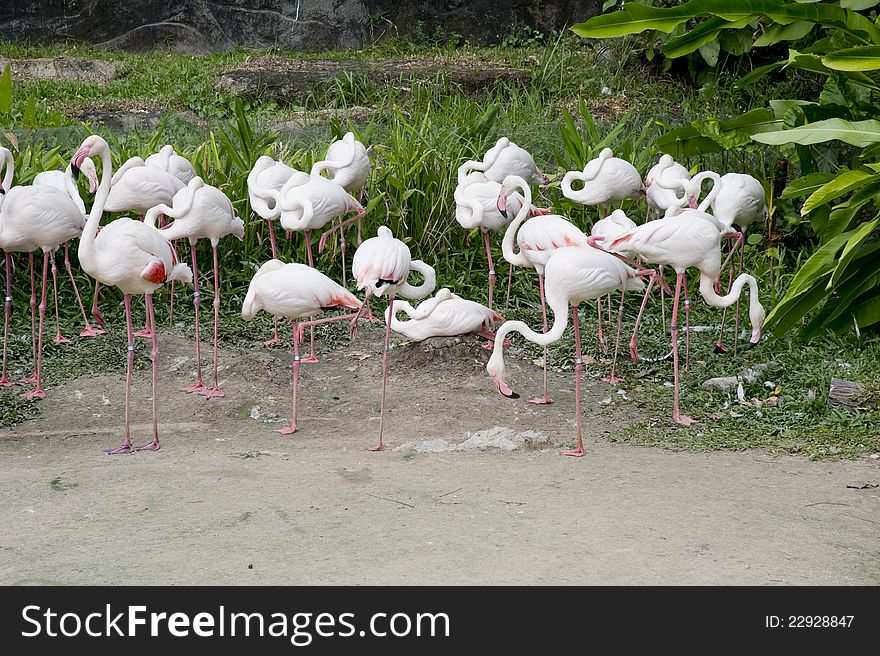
point(756, 317)
point(540, 178)
point(495, 369)
point(91, 145)
point(88, 167)
point(501, 203)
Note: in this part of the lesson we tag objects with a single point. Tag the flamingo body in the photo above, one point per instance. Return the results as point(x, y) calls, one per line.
point(606, 179)
point(445, 315)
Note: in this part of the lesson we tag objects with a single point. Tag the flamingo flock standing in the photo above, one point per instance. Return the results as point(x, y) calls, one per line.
point(492, 194)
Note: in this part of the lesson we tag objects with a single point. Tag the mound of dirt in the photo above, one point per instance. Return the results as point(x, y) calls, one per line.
point(463, 355)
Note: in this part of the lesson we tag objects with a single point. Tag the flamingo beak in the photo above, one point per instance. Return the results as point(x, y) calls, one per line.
point(93, 184)
point(692, 203)
point(503, 389)
point(78, 158)
point(542, 179)
point(501, 204)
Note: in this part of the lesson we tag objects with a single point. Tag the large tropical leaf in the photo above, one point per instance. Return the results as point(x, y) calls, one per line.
point(806, 185)
point(857, 133)
point(6, 91)
point(791, 32)
point(863, 58)
point(852, 245)
point(843, 183)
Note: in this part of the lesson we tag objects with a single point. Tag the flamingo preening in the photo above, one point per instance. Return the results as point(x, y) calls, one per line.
point(295, 291)
point(607, 180)
point(136, 258)
point(201, 211)
point(444, 315)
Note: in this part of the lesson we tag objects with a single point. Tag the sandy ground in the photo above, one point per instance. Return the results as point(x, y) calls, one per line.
point(228, 501)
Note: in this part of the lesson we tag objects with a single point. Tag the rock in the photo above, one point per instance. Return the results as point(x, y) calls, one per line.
point(199, 26)
point(64, 69)
point(725, 383)
point(498, 437)
point(294, 80)
point(848, 393)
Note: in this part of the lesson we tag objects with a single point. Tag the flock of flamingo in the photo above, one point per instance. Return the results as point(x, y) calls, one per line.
point(139, 256)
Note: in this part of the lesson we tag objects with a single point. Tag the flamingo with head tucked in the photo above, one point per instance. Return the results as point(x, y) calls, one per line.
point(444, 315)
point(607, 180)
point(503, 159)
point(662, 182)
point(201, 211)
point(136, 258)
point(295, 291)
point(349, 171)
point(572, 275)
point(170, 162)
point(381, 265)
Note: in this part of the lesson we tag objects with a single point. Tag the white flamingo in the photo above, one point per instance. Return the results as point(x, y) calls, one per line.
point(349, 170)
point(170, 162)
point(503, 159)
point(444, 315)
point(661, 183)
point(201, 211)
point(476, 198)
point(683, 242)
point(381, 265)
point(572, 275)
point(607, 180)
point(63, 181)
point(265, 182)
point(136, 258)
point(295, 291)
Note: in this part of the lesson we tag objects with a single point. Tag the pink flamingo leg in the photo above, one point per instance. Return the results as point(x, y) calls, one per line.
point(633, 349)
point(342, 255)
point(679, 418)
point(612, 378)
point(296, 360)
point(4, 381)
point(126, 445)
point(381, 445)
point(662, 304)
point(578, 451)
point(96, 311)
point(272, 239)
point(491, 267)
point(38, 392)
point(687, 327)
point(147, 332)
point(322, 242)
point(509, 281)
point(89, 330)
point(33, 303)
point(543, 400)
point(215, 392)
point(719, 345)
point(59, 338)
point(199, 386)
point(154, 445)
point(602, 344)
point(736, 309)
point(312, 357)
point(308, 234)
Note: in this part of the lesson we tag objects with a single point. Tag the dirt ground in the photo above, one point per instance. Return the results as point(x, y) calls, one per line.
point(228, 501)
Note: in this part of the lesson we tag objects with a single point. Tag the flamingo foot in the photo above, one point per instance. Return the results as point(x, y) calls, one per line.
point(272, 342)
point(197, 388)
point(35, 394)
point(28, 380)
point(60, 339)
point(378, 447)
point(720, 348)
point(150, 446)
point(146, 333)
point(98, 316)
point(683, 420)
point(213, 393)
point(541, 400)
point(576, 453)
point(290, 430)
point(611, 379)
point(311, 359)
point(125, 448)
point(4, 382)
point(89, 331)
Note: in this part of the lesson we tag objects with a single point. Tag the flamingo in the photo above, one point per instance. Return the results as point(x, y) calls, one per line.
point(295, 291)
point(381, 265)
point(136, 187)
point(201, 211)
point(475, 207)
point(37, 216)
point(683, 242)
point(606, 180)
point(63, 181)
point(136, 258)
point(503, 159)
point(444, 315)
point(661, 182)
point(572, 275)
point(350, 172)
point(170, 162)
point(740, 201)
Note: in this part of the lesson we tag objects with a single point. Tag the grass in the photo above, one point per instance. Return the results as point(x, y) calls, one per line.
point(421, 131)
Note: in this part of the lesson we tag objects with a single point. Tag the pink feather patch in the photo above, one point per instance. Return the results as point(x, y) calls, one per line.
point(154, 272)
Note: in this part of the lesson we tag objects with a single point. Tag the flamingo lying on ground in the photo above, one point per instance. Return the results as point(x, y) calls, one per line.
point(607, 180)
point(136, 258)
point(682, 242)
point(444, 315)
point(63, 181)
point(295, 291)
point(201, 211)
point(572, 275)
point(381, 265)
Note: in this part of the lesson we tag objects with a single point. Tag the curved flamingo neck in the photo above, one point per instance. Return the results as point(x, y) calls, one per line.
point(508, 243)
point(90, 231)
point(427, 286)
point(9, 165)
point(324, 164)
